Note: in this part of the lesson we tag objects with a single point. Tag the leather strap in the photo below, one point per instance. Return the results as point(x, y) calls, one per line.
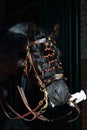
point(36, 114)
point(42, 40)
point(53, 78)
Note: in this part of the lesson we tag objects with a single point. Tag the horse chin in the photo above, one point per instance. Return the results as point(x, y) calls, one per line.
point(58, 93)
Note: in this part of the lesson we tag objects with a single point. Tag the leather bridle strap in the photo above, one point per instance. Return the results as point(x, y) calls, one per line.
point(41, 116)
point(40, 82)
point(53, 78)
point(42, 40)
point(77, 109)
point(36, 114)
point(18, 116)
point(31, 111)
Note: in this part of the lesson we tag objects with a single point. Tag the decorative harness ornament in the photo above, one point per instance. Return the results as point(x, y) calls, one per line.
point(46, 73)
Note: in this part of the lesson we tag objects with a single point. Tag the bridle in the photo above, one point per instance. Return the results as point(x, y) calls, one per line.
point(38, 111)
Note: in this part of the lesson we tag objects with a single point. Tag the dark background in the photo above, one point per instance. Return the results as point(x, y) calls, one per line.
point(45, 13)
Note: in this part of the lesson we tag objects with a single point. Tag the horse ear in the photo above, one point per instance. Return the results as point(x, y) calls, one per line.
point(32, 29)
point(56, 29)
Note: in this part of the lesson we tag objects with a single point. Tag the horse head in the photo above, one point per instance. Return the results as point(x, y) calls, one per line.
point(36, 58)
point(44, 57)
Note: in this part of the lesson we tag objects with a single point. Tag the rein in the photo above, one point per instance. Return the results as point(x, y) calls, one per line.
point(39, 115)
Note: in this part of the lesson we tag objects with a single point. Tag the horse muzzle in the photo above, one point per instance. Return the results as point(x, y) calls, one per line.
point(58, 92)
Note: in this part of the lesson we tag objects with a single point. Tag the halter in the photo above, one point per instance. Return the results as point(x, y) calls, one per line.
point(43, 104)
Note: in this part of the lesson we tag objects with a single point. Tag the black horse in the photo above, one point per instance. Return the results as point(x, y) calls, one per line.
point(32, 76)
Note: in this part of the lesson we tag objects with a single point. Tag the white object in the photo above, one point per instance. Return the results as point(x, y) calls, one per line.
point(78, 97)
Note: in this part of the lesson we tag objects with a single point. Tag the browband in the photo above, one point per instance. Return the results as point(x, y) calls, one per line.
point(42, 40)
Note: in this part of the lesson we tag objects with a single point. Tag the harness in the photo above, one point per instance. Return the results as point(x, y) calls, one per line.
point(44, 79)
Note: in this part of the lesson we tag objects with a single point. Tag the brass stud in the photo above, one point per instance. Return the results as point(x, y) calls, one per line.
point(46, 43)
point(49, 38)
